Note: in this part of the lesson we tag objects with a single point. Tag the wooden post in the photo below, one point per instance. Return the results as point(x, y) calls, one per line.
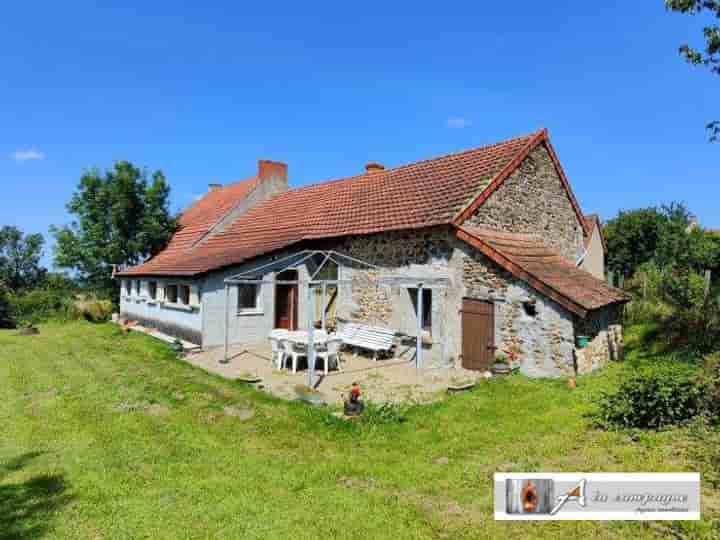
point(225, 359)
point(708, 278)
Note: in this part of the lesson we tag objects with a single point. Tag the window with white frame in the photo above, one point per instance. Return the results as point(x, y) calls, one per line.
point(152, 290)
point(137, 287)
point(128, 287)
point(248, 298)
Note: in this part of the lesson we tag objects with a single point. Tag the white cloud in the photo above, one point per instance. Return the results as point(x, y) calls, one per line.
point(457, 122)
point(27, 154)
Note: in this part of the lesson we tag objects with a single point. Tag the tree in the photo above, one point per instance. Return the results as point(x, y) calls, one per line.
point(122, 219)
point(20, 259)
point(709, 55)
point(632, 239)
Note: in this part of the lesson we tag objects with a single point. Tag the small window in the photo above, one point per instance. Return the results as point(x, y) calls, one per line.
point(128, 287)
point(152, 289)
point(171, 294)
point(184, 293)
point(426, 307)
point(530, 308)
point(248, 297)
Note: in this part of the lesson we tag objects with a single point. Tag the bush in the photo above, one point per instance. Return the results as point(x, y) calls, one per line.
point(90, 309)
point(653, 398)
point(37, 306)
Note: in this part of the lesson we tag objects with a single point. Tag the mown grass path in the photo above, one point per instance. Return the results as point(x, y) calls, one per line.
point(110, 436)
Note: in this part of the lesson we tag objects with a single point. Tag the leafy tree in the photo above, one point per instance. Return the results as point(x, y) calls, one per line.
point(709, 55)
point(20, 259)
point(122, 218)
point(632, 239)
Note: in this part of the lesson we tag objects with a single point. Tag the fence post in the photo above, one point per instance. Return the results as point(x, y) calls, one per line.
point(708, 277)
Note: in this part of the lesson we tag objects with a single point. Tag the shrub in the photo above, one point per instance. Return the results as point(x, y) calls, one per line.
point(653, 398)
point(90, 309)
point(386, 413)
point(37, 305)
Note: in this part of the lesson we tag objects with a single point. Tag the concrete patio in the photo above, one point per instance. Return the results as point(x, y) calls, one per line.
point(390, 380)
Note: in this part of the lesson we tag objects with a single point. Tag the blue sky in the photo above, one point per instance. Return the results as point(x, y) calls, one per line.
point(203, 91)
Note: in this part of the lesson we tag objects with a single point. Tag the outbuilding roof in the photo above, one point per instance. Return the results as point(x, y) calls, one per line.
point(528, 259)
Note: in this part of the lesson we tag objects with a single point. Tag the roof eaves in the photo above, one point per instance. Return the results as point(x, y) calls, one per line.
point(521, 273)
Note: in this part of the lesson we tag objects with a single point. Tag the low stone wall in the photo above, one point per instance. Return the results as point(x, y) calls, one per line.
point(604, 328)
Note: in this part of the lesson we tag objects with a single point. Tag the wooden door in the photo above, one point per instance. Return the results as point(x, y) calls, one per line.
point(478, 334)
point(286, 298)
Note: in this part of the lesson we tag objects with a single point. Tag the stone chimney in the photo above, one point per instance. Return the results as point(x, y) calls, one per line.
point(213, 187)
point(274, 172)
point(373, 166)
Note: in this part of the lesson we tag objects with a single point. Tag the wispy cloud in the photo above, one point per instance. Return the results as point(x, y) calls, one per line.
point(27, 154)
point(458, 122)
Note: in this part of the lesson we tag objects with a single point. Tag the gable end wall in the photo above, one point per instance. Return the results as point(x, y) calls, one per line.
point(532, 200)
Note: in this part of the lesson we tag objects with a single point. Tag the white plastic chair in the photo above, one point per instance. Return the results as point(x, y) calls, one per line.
point(278, 352)
point(332, 351)
point(293, 351)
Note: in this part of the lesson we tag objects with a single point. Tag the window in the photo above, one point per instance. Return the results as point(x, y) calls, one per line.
point(152, 289)
point(426, 307)
point(248, 297)
point(137, 287)
point(171, 294)
point(184, 293)
point(530, 308)
point(324, 269)
point(128, 287)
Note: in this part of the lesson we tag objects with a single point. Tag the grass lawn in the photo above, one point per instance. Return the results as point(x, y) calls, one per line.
point(110, 436)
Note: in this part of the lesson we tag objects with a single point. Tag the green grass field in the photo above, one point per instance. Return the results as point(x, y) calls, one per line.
point(110, 436)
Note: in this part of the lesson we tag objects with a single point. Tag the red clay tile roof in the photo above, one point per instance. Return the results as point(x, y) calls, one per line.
point(197, 220)
point(421, 194)
point(528, 259)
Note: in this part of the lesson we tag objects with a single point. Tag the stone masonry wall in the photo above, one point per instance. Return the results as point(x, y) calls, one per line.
point(540, 344)
point(604, 328)
point(532, 200)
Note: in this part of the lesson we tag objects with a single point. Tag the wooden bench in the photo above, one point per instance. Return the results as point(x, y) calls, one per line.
point(371, 338)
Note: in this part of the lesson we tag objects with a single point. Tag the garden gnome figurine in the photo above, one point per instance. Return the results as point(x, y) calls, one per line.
point(353, 406)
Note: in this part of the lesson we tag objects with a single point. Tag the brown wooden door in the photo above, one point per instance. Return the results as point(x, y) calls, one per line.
point(286, 301)
point(478, 334)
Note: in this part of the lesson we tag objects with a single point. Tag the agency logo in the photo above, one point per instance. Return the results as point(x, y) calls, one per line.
point(629, 496)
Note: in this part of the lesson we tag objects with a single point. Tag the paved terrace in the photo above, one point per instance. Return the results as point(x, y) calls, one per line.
point(391, 380)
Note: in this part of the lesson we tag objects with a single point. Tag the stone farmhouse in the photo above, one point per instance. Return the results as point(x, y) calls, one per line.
point(500, 224)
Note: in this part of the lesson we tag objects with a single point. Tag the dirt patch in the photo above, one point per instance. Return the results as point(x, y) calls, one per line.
point(153, 409)
point(243, 413)
point(158, 410)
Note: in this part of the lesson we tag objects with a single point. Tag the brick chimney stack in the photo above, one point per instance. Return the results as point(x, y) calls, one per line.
point(275, 172)
point(373, 166)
